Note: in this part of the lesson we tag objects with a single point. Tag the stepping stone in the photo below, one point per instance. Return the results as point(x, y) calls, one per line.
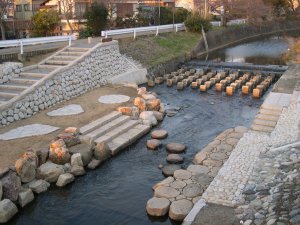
point(166, 192)
point(159, 134)
point(178, 184)
point(158, 206)
point(174, 158)
point(192, 190)
point(182, 174)
point(180, 209)
point(175, 147)
point(153, 144)
point(198, 169)
point(169, 170)
point(68, 110)
point(202, 179)
point(113, 99)
point(164, 182)
point(28, 131)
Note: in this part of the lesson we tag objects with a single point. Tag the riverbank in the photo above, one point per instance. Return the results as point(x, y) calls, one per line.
point(293, 56)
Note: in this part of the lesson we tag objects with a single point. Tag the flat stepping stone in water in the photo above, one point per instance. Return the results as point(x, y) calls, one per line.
point(113, 99)
point(28, 131)
point(178, 184)
point(158, 206)
point(174, 158)
point(182, 174)
point(202, 179)
point(153, 144)
point(159, 134)
point(68, 110)
point(180, 209)
point(169, 170)
point(198, 169)
point(166, 192)
point(192, 190)
point(175, 147)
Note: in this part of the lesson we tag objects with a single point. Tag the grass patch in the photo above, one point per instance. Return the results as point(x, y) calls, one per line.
point(151, 50)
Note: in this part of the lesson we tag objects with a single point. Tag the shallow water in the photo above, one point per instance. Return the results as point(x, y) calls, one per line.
point(117, 192)
point(267, 51)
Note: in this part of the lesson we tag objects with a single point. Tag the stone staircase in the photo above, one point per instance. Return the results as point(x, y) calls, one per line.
point(116, 130)
point(30, 76)
point(267, 119)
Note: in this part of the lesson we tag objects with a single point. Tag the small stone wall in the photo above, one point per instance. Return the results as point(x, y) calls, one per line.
point(9, 70)
point(92, 71)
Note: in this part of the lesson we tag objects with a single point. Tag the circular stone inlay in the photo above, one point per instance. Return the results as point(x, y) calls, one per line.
point(113, 99)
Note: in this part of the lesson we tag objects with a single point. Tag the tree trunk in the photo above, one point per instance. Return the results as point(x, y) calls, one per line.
point(2, 28)
point(69, 24)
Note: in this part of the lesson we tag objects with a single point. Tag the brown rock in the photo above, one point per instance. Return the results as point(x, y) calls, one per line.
point(153, 104)
point(158, 206)
point(125, 110)
point(58, 153)
point(25, 169)
point(153, 144)
point(72, 130)
point(168, 170)
point(158, 115)
point(140, 103)
point(102, 152)
point(159, 134)
point(174, 158)
point(180, 209)
point(166, 192)
point(69, 139)
point(142, 91)
point(42, 155)
point(11, 185)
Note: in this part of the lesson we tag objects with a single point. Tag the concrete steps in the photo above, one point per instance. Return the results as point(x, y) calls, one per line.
point(28, 74)
point(261, 128)
point(115, 130)
point(57, 62)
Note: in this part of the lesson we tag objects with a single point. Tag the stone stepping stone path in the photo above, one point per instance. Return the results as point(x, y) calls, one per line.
point(175, 148)
point(28, 131)
point(179, 209)
point(113, 99)
point(159, 134)
point(168, 170)
point(153, 144)
point(175, 158)
point(68, 110)
point(158, 206)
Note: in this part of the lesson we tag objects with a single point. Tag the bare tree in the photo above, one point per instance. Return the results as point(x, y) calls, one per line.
point(67, 11)
point(5, 5)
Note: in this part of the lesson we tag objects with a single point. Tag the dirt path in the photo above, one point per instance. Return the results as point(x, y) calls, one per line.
point(12, 149)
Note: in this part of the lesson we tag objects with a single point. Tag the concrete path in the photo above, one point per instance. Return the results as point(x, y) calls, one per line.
point(73, 109)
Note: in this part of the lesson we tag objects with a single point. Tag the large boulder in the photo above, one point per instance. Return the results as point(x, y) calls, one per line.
point(148, 118)
point(58, 153)
point(11, 185)
point(50, 172)
point(42, 155)
point(25, 196)
point(65, 179)
point(102, 152)
point(86, 152)
point(140, 103)
point(7, 210)
point(38, 186)
point(26, 167)
point(94, 164)
point(76, 160)
point(180, 209)
point(153, 104)
point(158, 206)
point(158, 115)
point(125, 110)
point(69, 139)
point(77, 170)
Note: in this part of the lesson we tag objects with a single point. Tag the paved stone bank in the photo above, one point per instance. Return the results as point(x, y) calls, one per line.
point(92, 71)
point(9, 70)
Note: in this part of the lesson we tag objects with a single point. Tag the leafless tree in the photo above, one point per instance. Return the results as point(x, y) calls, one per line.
point(5, 5)
point(67, 11)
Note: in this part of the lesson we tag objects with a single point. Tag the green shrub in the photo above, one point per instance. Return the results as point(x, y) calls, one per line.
point(181, 14)
point(97, 18)
point(45, 22)
point(195, 22)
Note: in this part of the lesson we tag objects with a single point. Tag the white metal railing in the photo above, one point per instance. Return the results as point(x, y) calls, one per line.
point(33, 41)
point(229, 23)
point(136, 30)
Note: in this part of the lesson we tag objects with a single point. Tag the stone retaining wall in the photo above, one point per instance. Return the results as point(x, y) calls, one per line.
point(9, 70)
point(92, 71)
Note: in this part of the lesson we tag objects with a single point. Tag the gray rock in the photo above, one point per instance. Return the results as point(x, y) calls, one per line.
point(166, 192)
point(25, 169)
point(42, 155)
point(158, 206)
point(65, 179)
point(174, 158)
point(38, 186)
point(175, 148)
point(153, 144)
point(295, 220)
point(94, 164)
point(85, 151)
point(102, 152)
point(7, 210)
point(50, 172)
point(198, 169)
point(77, 170)
point(168, 170)
point(180, 209)
point(182, 174)
point(11, 185)
point(76, 160)
point(192, 190)
point(25, 197)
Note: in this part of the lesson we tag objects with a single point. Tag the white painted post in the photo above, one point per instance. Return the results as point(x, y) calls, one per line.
point(157, 31)
point(176, 28)
point(70, 40)
point(105, 34)
point(21, 46)
point(134, 34)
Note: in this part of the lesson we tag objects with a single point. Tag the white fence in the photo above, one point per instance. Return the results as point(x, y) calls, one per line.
point(135, 31)
point(229, 23)
point(33, 41)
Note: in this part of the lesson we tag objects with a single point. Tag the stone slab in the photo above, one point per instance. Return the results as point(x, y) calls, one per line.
point(68, 110)
point(28, 131)
point(113, 99)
